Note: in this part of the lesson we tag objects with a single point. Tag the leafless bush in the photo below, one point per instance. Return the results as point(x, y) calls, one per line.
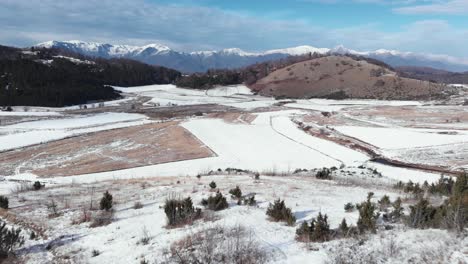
point(52, 207)
point(22, 187)
point(145, 238)
point(219, 245)
point(388, 248)
point(84, 216)
point(102, 218)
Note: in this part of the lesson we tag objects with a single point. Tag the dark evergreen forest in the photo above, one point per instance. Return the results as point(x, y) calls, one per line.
point(46, 78)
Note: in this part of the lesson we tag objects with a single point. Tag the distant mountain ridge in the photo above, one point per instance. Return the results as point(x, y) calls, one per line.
point(200, 61)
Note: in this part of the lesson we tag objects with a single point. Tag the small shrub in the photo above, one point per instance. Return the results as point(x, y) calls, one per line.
point(137, 205)
point(236, 192)
point(279, 212)
point(257, 176)
point(37, 185)
point(323, 174)
point(180, 211)
point(106, 201)
point(384, 203)
point(146, 238)
point(3, 202)
point(32, 236)
point(349, 207)
point(250, 201)
point(95, 253)
point(216, 203)
point(52, 207)
point(212, 185)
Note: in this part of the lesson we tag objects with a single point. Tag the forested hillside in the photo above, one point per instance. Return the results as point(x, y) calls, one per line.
point(54, 78)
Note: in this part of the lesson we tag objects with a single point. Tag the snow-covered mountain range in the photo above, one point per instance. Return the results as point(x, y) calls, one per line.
point(201, 61)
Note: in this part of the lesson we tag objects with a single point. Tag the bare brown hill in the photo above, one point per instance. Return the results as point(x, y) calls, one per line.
point(340, 77)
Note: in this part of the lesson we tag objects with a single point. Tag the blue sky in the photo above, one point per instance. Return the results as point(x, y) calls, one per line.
point(426, 26)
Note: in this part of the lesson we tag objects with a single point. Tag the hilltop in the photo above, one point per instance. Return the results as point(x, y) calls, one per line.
point(341, 77)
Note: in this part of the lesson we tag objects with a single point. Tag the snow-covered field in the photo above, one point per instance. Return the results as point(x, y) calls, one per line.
point(120, 241)
point(269, 142)
point(169, 95)
point(36, 132)
point(397, 138)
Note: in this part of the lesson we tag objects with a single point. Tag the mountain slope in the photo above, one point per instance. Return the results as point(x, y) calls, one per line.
point(235, 58)
point(340, 77)
point(48, 77)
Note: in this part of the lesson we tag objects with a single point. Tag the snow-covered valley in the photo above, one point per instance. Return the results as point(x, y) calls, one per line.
point(162, 141)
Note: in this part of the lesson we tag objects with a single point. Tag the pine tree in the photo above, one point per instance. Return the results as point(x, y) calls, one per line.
point(343, 227)
point(367, 215)
point(384, 202)
point(457, 205)
point(3, 202)
point(421, 214)
point(9, 239)
point(397, 210)
point(279, 212)
point(106, 201)
point(321, 230)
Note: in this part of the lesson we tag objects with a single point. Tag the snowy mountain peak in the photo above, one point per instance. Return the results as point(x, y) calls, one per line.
point(234, 57)
point(237, 51)
point(299, 50)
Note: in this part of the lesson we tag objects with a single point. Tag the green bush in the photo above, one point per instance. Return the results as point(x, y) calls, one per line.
point(37, 185)
point(181, 211)
point(216, 203)
point(323, 174)
point(279, 212)
point(236, 192)
point(317, 231)
point(349, 207)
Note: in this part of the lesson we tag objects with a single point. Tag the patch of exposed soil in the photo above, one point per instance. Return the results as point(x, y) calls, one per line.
point(106, 151)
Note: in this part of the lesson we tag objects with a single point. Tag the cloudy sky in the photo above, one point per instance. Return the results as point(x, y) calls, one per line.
point(426, 26)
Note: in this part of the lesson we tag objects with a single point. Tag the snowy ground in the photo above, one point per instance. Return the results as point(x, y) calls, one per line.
point(36, 132)
point(268, 141)
point(119, 242)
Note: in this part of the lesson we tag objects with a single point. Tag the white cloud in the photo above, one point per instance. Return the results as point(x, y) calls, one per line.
point(459, 7)
point(26, 22)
